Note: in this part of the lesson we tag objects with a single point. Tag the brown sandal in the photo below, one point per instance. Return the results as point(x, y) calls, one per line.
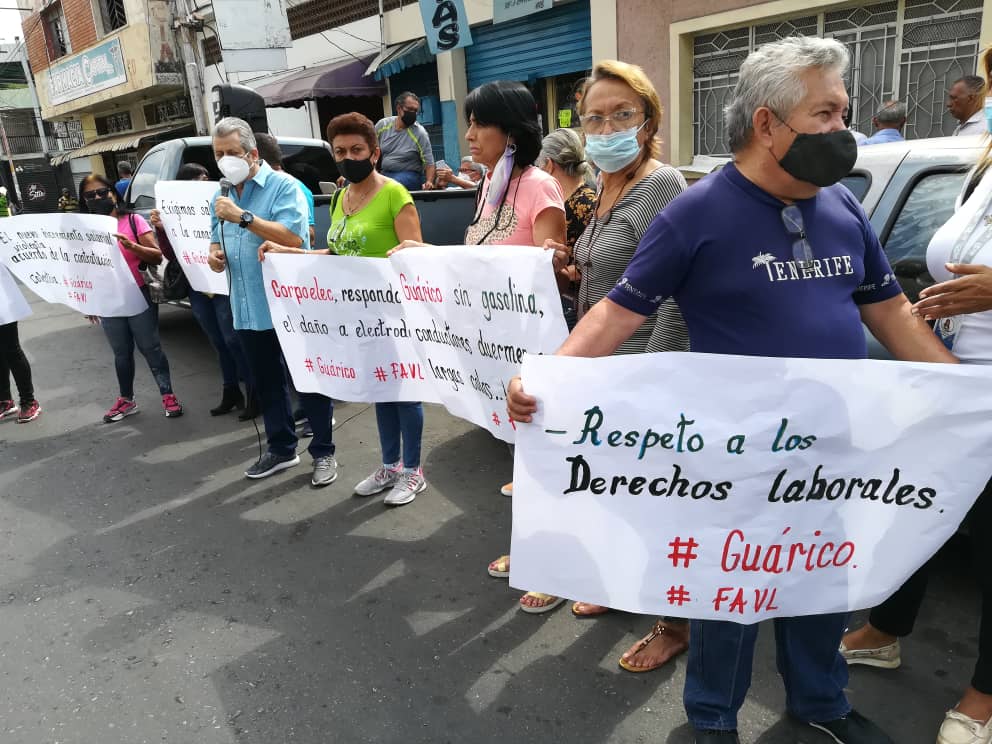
point(660, 628)
point(583, 609)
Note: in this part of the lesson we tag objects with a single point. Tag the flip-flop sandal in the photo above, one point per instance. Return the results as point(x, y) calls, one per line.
point(551, 600)
point(500, 568)
point(600, 610)
point(659, 629)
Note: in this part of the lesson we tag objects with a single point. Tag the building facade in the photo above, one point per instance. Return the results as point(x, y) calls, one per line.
point(109, 69)
point(911, 50)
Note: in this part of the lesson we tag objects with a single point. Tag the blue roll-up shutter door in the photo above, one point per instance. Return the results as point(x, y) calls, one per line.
point(545, 44)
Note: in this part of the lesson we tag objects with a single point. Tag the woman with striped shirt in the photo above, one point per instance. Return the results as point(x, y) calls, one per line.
point(620, 112)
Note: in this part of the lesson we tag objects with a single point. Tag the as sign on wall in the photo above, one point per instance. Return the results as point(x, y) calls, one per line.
point(446, 25)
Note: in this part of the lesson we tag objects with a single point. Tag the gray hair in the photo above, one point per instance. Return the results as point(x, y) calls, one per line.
point(771, 77)
point(563, 147)
point(974, 84)
point(233, 125)
point(893, 112)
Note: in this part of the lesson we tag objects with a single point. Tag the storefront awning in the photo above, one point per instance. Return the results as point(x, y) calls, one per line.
point(398, 57)
point(114, 143)
point(343, 78)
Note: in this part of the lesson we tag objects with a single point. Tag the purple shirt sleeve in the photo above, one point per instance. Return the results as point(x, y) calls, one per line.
point(657, 269)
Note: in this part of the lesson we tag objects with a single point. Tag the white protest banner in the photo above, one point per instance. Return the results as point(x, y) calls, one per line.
point(13, 306)
point(342, 329)
point(742, 488)
point(72, 259)
point(475, 311)
point(184, 207)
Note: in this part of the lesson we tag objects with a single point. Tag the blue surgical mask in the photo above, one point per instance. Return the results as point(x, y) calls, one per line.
point(502, 173)
point(988, 112)
point(614, 151)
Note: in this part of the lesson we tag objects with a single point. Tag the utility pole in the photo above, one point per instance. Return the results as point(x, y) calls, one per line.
point(187, 25)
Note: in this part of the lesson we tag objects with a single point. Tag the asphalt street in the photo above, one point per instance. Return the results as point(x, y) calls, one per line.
point(151, 594)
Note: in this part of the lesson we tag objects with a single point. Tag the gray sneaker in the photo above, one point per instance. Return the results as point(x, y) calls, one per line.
point(883, 657)
point(270, 463)
point(380, 480)
point(408, 485)
point(325, 470)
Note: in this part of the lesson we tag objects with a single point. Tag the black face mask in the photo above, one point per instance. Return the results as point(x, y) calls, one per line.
point(355, 171)
point(820, 159)
point(408, 118)
point(106, 205)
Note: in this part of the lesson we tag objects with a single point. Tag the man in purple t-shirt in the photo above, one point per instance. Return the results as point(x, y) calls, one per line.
point(768, 257)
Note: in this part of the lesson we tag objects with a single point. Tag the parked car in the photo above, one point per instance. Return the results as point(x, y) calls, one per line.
point(444, 215)
point(909, 190)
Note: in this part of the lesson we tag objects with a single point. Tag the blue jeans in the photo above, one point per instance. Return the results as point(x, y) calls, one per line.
point(398, 421)
point(269, 374)
point(413, 180)
point(215, 318)
point(718, 672)
point(141, 330)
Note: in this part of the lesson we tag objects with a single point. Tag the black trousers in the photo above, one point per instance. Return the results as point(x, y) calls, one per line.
point(13, 361)
point(897, 615)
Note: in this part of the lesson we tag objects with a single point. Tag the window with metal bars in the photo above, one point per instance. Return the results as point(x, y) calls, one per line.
point(56, 32)
point(314, 16)
point(112, 14)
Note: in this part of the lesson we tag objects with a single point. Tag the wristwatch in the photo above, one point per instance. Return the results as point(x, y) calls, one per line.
point(246, 219)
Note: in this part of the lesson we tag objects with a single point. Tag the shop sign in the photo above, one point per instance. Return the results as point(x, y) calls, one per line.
point(91, 71)
point(445, 24)
point(507, 10)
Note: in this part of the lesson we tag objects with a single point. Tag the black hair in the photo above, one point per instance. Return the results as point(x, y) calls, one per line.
point(511, 107)
point(191, 172)
point(974, 84)
point(105, 183)
point(124, 168)
point(268, 149)
point(402, 97)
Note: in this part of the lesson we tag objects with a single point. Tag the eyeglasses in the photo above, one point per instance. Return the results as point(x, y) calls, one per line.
point(802, 251)
point(96, 193)
point(619, 120)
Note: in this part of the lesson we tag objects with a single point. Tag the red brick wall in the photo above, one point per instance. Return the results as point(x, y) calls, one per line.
point(79, 18)
point(34, 37)
point(82, 32)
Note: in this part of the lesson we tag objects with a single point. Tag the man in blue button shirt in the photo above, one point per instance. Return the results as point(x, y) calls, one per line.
point(888, 123)
point(261, 205)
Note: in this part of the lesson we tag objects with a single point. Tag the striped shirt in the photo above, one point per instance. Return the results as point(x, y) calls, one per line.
point(606, 247)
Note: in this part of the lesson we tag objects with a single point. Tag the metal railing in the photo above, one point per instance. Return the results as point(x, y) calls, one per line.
point(27, 144)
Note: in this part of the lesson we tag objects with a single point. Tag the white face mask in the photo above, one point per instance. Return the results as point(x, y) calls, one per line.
point(235, 168)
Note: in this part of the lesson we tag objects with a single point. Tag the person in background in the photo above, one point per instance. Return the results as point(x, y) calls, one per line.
point(271, 153)
point(372, 216)
point(888, 123)
point(470, 174)
point(13, 362)
point(264, 205)
point(960, 258)
point(564, 158)
point(136, 238)
point(4, 203)
point(407, 156)
point(213, 313)
point(859, 137)
point(67, 202)
point(965, 101)
point(124, 170)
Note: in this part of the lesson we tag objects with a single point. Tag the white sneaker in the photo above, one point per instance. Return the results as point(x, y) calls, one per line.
point(883, 657)
point(380, 480)
point(957, 728)
point(411, 483)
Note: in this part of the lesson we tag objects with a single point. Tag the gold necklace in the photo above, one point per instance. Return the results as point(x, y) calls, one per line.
point(352, 208)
